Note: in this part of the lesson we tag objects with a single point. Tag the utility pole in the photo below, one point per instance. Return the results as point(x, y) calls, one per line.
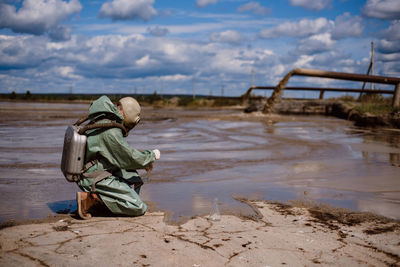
point(370, 70)
point(252, 77)
point(194, 88)
point(372, 63)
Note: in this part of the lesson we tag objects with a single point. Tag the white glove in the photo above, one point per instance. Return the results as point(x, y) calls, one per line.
point(157, 153)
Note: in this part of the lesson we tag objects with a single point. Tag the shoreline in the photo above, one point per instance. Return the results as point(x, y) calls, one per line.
point(334, 108)
point(281, 234)
point(340, 214)
point(326, 107)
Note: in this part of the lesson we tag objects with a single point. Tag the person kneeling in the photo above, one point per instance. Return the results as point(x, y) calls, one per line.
point(108, 151)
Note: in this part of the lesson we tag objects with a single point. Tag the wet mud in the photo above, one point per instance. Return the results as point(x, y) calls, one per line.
point(207, 154)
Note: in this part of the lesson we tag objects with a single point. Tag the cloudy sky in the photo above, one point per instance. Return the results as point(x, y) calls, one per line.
point(142, 46)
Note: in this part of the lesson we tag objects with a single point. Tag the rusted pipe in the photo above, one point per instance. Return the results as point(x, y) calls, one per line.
point(332, 75)
point(396, 96)
point(346, 76)
point(321, 94)
point(277, 92)
point(328, 89)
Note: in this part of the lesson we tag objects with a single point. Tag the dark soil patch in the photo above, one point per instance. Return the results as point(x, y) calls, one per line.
point(316, 261)
point(61, 228)
point(380, 230)
point(7, 224)
point(329, 215)
point(283, 208)
point(342, 235)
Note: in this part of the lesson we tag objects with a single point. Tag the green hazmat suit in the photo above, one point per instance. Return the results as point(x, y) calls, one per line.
point(114, 154)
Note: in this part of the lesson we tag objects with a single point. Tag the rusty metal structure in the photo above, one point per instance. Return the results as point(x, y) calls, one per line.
point(322, 90)
point(330, 75)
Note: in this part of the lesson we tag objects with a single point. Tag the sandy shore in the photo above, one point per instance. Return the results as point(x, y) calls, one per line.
point(279, 235)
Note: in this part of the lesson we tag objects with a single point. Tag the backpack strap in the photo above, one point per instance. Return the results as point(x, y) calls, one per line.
point(92, 125)
point(81, 120)
point(104, 125)
point(98, 176)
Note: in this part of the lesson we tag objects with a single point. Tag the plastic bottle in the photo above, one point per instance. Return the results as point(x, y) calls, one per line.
point(215, 214)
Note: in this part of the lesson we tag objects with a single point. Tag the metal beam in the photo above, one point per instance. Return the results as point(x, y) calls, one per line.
point(396, 96)
point(346, 76)
point(350, 90)
point(331, 75)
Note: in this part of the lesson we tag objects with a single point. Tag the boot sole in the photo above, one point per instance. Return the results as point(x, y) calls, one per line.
point(80, 213)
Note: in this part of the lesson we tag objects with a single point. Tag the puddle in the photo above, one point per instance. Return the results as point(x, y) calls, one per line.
point(207, 154)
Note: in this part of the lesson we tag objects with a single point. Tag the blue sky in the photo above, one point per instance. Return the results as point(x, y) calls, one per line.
point(142, 46)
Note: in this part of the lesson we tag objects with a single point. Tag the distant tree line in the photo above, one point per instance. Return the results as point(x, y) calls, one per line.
point(150, 99)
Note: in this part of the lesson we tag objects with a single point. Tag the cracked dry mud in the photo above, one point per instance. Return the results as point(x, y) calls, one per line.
point(282, 235)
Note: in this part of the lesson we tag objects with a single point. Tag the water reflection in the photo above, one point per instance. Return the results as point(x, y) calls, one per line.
point(391, 158)
point(63, 207)
point(384, 207)
point(394, 159)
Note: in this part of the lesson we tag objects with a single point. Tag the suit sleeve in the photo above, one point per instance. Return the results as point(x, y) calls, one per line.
point(118, 152)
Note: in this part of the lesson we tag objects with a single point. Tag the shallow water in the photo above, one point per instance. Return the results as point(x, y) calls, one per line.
point(207, 154)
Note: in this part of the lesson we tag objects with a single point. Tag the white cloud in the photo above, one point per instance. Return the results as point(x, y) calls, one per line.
point(389, 45)
point(393, 32)
point(60, 33)
point(144, 61)
point(128, 10)
point(38, 16)
point(255, 8)
point(303, 61)
point(206, 23)
point(311, 4)
point(204, 3)
point(157, 31)
point(113, 63)
point(382, 9)
point(346, 25)
point(66, 72)
point(21, 52)
point(331, 58)
point(316, 44)
point(228, 62)
point(176, 77)
point(102, 61)
point(229, 36)
point(302, 28)
point(391, 65)
point(119, 56)
point(390, 57)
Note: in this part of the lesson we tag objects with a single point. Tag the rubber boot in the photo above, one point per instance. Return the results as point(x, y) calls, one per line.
point(87, 202)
